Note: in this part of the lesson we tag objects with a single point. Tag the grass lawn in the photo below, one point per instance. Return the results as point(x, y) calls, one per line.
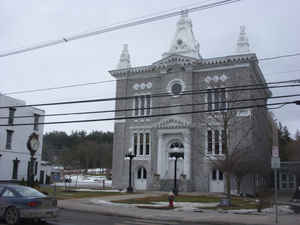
point(62, 194)
point(237, 202)
point(164, 198)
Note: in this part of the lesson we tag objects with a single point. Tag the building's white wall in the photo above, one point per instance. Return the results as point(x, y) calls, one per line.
point(19, 139)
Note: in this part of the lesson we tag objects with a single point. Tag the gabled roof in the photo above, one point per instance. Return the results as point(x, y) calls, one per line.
point(176, 60)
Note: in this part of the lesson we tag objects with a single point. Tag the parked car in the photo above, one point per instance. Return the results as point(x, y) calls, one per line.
point(20, 202)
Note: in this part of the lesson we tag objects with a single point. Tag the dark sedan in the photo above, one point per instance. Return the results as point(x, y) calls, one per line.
point(21, 202)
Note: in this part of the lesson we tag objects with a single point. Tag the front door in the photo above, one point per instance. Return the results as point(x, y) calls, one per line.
point(141, 179)
point(216, 181)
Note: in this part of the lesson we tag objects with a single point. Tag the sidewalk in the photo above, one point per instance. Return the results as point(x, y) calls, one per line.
point(171, 215)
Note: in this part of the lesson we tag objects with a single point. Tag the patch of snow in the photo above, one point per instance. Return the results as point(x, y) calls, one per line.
point(93, 190)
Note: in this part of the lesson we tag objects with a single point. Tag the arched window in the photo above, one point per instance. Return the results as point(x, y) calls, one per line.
point(142, 173)
point(176, 145)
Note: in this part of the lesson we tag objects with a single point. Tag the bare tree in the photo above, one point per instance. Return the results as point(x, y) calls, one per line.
point(239, 127)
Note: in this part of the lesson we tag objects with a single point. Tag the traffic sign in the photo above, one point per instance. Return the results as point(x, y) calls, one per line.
point(275, 151)
point(275, 162)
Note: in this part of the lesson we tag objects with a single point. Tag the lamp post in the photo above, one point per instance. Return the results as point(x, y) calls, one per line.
point(175, 156)
point(130, 155)
point(33, 145)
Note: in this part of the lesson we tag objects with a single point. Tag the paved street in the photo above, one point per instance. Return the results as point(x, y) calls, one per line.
point(69, 217)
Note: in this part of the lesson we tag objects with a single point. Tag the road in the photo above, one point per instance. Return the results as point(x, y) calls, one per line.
point(68, 217)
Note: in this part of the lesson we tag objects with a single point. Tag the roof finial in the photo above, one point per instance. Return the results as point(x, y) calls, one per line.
point(124, 58)
point(184, 42)
point(242, 43)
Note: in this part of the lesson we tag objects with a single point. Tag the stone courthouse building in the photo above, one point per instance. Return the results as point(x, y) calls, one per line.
point(173, 106)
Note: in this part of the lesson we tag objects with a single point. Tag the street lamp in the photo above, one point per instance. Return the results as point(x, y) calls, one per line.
point(130, 155)
point(175, 156)
point(33, 145)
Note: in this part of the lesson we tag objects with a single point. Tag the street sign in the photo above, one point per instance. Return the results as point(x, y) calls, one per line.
point(275, 151)
point(275, 162)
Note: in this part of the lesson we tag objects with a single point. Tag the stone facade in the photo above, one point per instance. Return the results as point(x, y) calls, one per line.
point(170, 103)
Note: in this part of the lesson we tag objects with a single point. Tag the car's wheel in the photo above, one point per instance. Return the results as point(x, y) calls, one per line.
point(11, 216)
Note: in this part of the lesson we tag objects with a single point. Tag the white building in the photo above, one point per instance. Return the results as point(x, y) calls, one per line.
point(14, 155)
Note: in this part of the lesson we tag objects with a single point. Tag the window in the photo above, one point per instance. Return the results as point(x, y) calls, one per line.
point(142, 105)
point(220, 175)
point(215, 144)
point(142, 173)
point(36, 168)
point(135, 143)
point(36, 122)
point(8, 193)
point(287, 181)
point(15, 169)
point(9, 134)
point(141, 143)
point(176, 89)
point(11, 116)
point(223, 141)
point(147, 143)
point(209, 141)
point(216, 99)
point(214, 174)
point(177, 145)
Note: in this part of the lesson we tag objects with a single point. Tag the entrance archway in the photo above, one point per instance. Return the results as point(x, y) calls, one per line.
point(141, 179)
point(216, 181)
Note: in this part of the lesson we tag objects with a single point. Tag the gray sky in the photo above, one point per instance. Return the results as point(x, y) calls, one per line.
point(272, 27)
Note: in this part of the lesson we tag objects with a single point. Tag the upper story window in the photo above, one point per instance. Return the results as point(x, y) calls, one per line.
point(142, 105)
point(9, 134)
point(216, 99)
point(176, 87)
point(11, 116)
point(36, 121)
point(215, 142)
point(141, 143)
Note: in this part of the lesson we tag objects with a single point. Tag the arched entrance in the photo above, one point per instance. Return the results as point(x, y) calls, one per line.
point(216, 181)
point(141, 179)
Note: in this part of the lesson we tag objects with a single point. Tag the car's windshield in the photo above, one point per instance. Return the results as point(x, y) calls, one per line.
point(28, 192)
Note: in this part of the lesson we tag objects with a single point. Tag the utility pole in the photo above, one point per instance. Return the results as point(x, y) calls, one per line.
point(275, 160)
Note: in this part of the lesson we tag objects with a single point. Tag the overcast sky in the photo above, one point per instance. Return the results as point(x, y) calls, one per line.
point(272, 27)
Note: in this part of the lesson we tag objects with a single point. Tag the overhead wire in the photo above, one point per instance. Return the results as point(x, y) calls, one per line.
point(113, 80)
point(189, 92)
point(155, 107)
point(118, 26)
point(155, 115)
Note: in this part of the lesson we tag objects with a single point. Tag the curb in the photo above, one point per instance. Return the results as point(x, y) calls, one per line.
point(163, 218)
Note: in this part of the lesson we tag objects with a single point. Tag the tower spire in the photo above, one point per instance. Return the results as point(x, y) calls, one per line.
point(242, 43)
point(124, 61)
point(184, 42)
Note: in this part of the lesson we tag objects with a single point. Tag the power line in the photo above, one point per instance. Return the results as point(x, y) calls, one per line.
point(191, 92)
point(110, 81)
point(155, 115)
point(156, 107)
point(118, 26)
point(280, 56)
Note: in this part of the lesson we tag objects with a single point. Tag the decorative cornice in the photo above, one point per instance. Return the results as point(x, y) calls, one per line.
point(172, 123)
point(172, 60)
point(230, 59)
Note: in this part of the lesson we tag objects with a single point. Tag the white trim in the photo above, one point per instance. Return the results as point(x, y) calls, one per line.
point(223, 67)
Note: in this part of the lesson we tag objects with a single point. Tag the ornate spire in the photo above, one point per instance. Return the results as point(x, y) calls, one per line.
point(184, 42)
point(242, 43)
point(124, 58)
